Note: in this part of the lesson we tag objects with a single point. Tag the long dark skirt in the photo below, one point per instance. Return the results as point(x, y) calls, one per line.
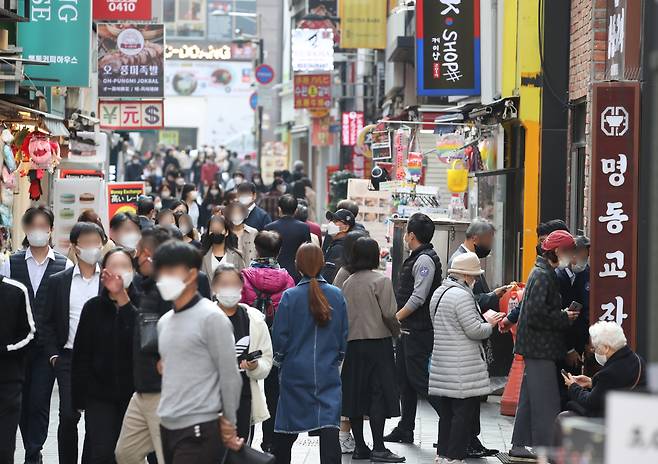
point(368, 376)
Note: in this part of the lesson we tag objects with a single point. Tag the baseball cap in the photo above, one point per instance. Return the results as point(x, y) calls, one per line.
point(343, 216)
point(558, 239)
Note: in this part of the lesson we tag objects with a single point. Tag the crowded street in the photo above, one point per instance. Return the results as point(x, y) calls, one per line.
point(328, 231)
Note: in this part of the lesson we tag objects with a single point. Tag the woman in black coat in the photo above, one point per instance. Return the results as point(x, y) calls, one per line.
point(622, 370)
point(101, 375)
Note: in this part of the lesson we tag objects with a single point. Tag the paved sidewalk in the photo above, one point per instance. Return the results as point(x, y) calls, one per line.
point(496, 433)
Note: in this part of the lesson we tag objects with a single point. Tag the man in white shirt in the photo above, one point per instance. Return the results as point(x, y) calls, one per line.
point(32, 267)
point(68, 291)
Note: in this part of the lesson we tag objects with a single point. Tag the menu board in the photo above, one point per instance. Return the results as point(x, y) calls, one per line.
point(374, 208)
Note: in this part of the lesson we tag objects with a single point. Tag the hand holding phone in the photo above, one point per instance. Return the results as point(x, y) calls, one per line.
point(575, 307)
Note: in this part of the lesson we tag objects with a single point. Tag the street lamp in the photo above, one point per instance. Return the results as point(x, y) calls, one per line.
point(258, 40)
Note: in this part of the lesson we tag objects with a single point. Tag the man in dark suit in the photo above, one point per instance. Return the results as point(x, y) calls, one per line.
point(293, 232)
point(146, 212)
point(257, 217)
point(68, 291)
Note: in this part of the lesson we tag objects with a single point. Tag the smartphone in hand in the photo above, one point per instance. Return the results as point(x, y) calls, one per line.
point(575, 307)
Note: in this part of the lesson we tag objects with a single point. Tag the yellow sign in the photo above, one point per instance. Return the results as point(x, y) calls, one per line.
point(363, 24)
point(169, 138)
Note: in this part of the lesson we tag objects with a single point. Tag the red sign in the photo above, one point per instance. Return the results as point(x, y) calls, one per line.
point(122, 197)
point(320, 134)
point(312, 91)
point(352, 123)
point(131, 115)
point(122, 10)
point(615, 153)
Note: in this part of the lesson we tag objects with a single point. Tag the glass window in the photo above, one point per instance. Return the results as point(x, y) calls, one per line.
point(185, 18)
point(577, 171)
point(224, 26)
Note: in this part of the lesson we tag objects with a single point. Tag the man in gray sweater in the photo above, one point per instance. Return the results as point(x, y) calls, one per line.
point(201, 384)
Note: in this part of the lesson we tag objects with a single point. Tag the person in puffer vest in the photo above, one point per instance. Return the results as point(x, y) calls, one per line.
point(458, 368)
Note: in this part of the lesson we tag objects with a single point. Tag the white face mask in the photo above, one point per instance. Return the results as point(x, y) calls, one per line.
point(89, 255)
point(600, 358)
point(579, 267)
point(282, 188)
point(193, 195)
point(129, 240)
point(564, 262)
point(332, 229)
point(127, 278)
point(158, 205)
point(38, 238)
point(245, 200)
point(237, 219)
point(214, 192)
point(180, 182)
point(170, 287)
point(228, 297)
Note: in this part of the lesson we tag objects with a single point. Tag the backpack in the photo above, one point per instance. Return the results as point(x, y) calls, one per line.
point(263, 303)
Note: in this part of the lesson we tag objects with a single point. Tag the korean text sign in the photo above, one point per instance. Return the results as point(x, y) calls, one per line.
point(122, 197)
point(58, 33)
point(351, 125)
point(613, 260)
point(448, 47)
point(122, 10)
point(312, 91)
point(135, 115)
point(131, 60)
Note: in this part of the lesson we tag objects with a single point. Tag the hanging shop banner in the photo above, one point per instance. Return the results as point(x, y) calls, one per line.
point(448, 47)
point(58, 33)
point(130, 60)
point(363, 24)
point(72, 196)
point(312, 50)
point(131, 115)
point(122, 197)
point(351, 125)
point(122, 10)
point(206, 78)
point(312, 91)
point(615, 153)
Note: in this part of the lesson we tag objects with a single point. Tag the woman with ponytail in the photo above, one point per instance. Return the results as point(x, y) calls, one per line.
point(309, 337)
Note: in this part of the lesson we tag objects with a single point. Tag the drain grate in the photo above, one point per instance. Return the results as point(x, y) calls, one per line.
point(505, 458)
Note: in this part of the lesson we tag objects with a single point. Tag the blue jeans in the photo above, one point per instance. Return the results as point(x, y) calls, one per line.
point(35, 413)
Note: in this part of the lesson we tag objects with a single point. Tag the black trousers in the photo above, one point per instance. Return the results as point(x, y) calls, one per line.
point(456, 425)
point(198, 444)
point(329, 446)
point(244, 416)
point(35, 413)
point(412, 359)
point(10, 414)
point(272, 398)
point(103, 420)
point(67, 432)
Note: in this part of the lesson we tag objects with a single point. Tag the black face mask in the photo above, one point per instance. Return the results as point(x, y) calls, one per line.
point(482, 251)
point(217, 239)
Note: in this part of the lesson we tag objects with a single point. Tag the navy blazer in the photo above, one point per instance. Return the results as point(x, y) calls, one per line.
point(258, 218)
point(578, 333)
point(294, 234)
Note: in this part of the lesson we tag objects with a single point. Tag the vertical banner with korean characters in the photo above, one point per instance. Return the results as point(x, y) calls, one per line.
point(131, 60)
point(448, 47)
point(615, 152)
point(352, 123)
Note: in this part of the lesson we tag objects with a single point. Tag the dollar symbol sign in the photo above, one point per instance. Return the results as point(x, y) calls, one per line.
point(152, 115)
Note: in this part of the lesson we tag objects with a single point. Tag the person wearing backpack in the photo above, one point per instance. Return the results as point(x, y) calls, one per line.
point(264, 284)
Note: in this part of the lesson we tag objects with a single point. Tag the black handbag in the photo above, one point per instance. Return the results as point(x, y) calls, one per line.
point(148, 332)
point(249, 455)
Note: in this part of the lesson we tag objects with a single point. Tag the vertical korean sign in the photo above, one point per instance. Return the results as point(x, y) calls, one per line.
point(131, 60)
point(615, 148)
point(58, 33)
point(448, 47)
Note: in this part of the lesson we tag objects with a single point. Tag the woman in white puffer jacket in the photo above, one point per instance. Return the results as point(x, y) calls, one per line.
point(458, 369)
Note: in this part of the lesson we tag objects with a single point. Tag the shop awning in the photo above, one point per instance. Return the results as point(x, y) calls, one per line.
point(52, 122)
point(56, 127)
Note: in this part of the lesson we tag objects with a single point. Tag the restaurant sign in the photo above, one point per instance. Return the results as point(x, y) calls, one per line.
point(312, 91)
point(448, 47)
point(615, 157)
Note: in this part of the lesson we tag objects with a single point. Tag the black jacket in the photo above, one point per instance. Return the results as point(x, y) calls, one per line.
point(102, 351)
point(333, 257)
point(542, 323)
point(16, 330)
point(578, 333)
point(258, 218)
point(294, 234)
point(56, 318)
point(485, 298)
point(624, 370)
point(145, 374)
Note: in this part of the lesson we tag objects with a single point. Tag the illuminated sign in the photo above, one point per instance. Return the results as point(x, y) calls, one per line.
point(194, 52)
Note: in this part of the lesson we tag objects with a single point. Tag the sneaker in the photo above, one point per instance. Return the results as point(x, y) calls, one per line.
point(347, 443)
point(522, 452)
point(398, 435)
point(361, 454)
point(477, 450)
point(386, 456)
